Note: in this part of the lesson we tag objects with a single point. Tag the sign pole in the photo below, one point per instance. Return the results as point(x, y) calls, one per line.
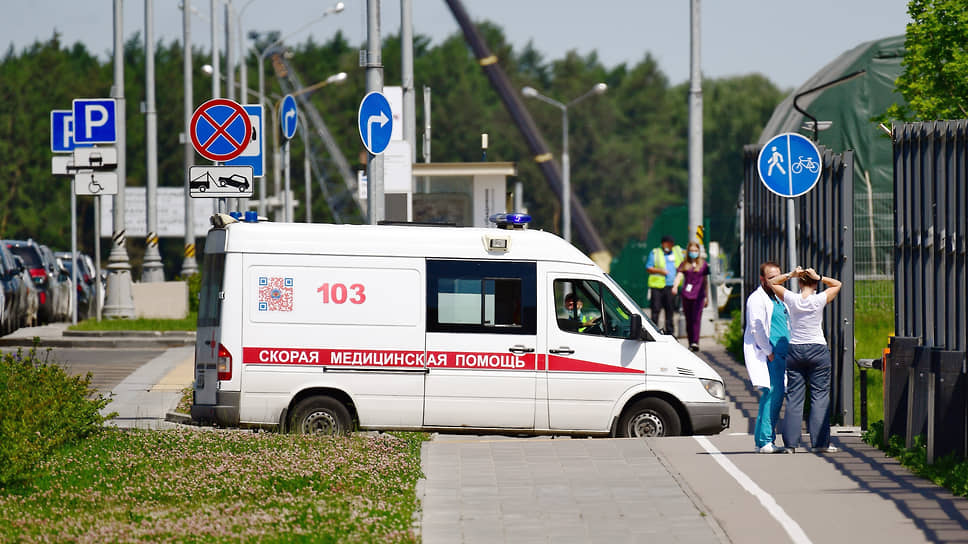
point(97, 255)
point(119, 303)
point(73, 254)
point(376, 205)
point(792, 238)
point(287, 216)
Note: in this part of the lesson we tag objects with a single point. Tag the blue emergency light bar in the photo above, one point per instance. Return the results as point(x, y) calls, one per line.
point(510, 220)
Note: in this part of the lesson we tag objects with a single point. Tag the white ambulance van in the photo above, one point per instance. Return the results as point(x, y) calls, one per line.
point(327, 328)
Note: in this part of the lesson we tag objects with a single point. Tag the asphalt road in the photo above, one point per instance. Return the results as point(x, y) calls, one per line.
point(107, 366)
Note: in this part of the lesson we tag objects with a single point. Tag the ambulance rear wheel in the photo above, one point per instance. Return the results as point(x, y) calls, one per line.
point(649, 417)
point(320, 415)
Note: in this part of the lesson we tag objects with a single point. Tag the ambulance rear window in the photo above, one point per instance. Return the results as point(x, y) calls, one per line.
point(481, 296)
point(209, 304)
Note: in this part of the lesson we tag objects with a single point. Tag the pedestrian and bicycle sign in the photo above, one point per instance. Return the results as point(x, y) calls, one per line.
point(375, 120)
point(789, 165)
point(95, 120)
point(220, 129)
point(288, 117)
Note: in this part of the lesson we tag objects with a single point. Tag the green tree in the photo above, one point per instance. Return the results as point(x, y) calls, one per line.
point(935, 77)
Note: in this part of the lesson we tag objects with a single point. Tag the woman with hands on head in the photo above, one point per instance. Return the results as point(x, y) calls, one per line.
point(808, 359)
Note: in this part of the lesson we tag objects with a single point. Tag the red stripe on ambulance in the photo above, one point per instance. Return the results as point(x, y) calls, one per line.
point(418, 359)
point(392, 358)
point(566, 364)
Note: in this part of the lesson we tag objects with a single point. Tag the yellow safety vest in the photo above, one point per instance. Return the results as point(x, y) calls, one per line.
point(658, 256)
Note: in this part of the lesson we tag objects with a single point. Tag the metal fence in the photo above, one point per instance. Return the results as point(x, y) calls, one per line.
point(825, 241)
point(930, 182)
point(926, 390)
point(873, 236)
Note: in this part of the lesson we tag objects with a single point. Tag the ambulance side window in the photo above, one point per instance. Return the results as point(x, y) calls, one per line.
point(481, 296)
point(589, 307)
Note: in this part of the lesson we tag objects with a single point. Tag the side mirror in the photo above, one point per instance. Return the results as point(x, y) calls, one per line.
point(635, 327)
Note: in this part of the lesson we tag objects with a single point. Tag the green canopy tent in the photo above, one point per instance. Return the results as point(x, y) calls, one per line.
point(851, 107)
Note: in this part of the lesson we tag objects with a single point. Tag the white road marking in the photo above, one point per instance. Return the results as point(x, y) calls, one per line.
point(789, 525)
point(739, 434)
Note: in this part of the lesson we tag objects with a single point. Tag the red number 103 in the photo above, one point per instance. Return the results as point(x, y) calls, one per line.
point(337, 293)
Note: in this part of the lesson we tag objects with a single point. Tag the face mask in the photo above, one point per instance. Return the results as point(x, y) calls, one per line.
point(693, 254)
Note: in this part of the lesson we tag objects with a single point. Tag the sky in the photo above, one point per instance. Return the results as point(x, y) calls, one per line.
point(786, 40)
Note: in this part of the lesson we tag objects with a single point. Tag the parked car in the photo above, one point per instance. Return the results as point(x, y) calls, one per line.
point(235, 180)
point(59, 281)
point(14, 293)
point(31, 295)
point(29, 252)
point(86, 293)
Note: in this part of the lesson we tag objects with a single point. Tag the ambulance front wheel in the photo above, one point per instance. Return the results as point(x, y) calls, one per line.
point(649, 417)
point(320, 415)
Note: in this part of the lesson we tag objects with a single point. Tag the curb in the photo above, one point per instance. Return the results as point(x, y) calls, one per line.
point(131, 334)
point(99, 342)
point(176, 417)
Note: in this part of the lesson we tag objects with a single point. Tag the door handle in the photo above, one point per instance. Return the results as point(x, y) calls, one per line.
point(563, 350)
point(519, 349)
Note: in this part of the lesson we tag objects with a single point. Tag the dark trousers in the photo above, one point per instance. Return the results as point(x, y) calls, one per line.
point(692, 311)
point(807, 363)
point(663, 299)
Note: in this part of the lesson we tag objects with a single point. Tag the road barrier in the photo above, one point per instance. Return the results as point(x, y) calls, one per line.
point(825, 241)
point(931, 212)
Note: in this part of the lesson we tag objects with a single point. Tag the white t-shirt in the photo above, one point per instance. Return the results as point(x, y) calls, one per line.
point(806, 316)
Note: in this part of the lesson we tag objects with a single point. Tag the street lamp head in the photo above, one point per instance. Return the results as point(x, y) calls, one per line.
point(207, 69)
point(336, 78)
point(529, 92)
point(600, 88)
point(338, 7)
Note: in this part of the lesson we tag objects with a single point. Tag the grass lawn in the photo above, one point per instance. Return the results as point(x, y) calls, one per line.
point(187, 324)
point(873, 326)
point(220, 486)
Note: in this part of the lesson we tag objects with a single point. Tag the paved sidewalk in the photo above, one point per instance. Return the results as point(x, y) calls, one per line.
point(500, 489)
point(143, 399)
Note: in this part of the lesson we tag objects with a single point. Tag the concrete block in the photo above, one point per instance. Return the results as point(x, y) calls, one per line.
point(160, 300)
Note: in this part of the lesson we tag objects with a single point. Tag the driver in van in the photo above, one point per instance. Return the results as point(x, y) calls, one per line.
point(573, 308)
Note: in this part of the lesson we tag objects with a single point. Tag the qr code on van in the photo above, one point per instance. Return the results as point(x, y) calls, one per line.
point(275, 294)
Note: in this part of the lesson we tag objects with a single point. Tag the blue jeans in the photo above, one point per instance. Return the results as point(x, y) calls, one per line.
point(808, 362)
point(771, 398)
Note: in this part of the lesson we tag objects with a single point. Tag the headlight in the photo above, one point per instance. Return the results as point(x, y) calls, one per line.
point(714, 388)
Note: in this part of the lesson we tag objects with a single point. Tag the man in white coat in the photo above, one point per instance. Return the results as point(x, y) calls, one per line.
point(765, 344)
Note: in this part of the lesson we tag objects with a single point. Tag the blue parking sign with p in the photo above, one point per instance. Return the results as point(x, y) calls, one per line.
point(95, 121)
point(61, 131)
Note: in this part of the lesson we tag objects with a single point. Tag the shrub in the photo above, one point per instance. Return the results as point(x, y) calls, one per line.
point(949, 472)
point(194, 290)
point(733, 337)
point(42, 408)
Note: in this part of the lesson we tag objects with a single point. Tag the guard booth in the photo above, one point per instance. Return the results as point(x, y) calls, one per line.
point(464, 194)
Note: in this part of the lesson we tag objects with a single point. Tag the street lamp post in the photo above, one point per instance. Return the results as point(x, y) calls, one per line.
point(530, 92)
point(337, 8)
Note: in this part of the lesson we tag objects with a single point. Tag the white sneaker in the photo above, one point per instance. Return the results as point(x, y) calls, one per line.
point(770, 448)
point(828, 449)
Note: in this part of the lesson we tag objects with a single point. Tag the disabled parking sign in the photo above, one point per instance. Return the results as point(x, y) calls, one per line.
point(789, 165)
